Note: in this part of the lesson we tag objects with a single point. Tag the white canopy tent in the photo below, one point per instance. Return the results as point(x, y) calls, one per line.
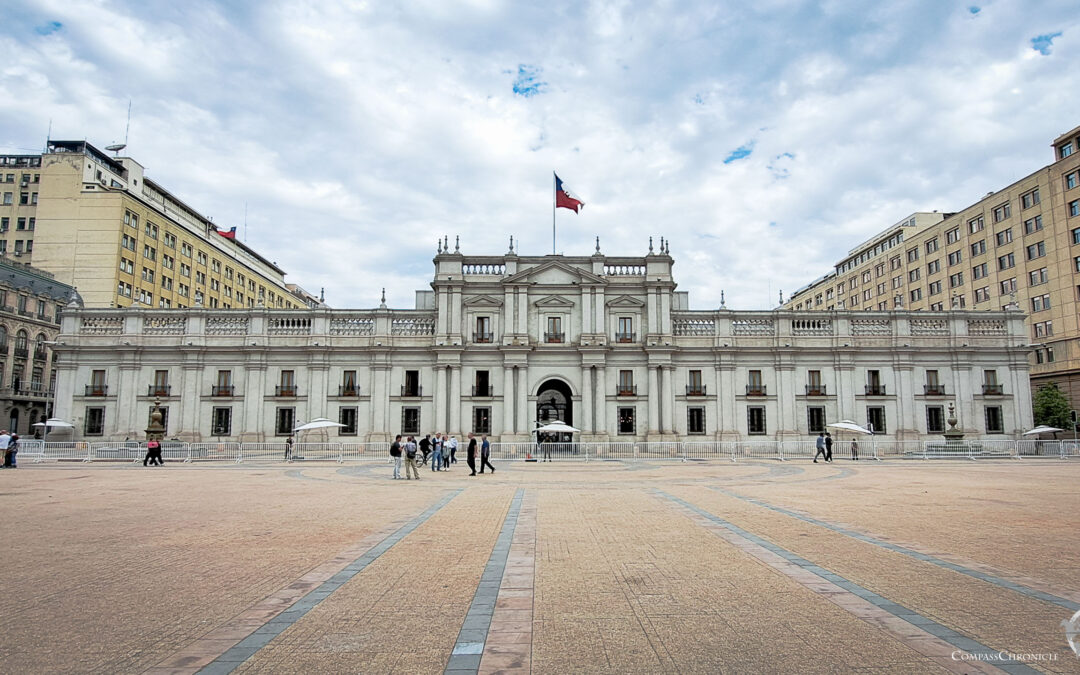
point(54, 423)
point(318, 423)
point(1042, 429)
point(848, 425)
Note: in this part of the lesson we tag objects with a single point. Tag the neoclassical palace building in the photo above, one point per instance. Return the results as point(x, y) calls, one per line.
point(498, 343)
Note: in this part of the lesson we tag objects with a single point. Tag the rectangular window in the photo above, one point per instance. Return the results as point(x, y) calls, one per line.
point(979, 271)
point(410, 420)
point(626, 329)
point(151, 230)
point(1037, 250)
point(285, 420)
point(626, 383)
point(934, 288)
point(627, 423)
point(347, 417)
point(348, 383)
point(1008, 286)
point(1072, 180)
point(1006, 261)
point(931, 246)
point(935, 419)
point(1002, 212)
point(221, 422)
point(913, 254)
point(956, 280)
point(982, 294)
point(1043, 328)
point(914, 275)
point(128, 242)
point(1033, 225)
point(694, 386)
point(994, 424)
point(955, 258)
point(695, 420)
point(755, 420)
point(483, 329)
point(1065, 149)
point(481, 423)
point(554, 330)
point(95, 422)
point(1004, 237)
point(1038, 277)
point(149, 252)
point(815, 419)
point(875, 419)
point(169, 240)
point(412, 383)
point(975, 224)
point(933, 267)
point(1074, 207)
point(186, 249)
point(167, 261)
point(916, 295)
point(952, 236)
point(978, 248)
point(1040, 303)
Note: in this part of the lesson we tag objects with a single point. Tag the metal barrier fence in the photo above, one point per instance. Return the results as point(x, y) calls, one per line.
point(622, 451)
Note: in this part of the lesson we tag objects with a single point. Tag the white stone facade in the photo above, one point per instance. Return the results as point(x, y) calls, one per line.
point(605, 343)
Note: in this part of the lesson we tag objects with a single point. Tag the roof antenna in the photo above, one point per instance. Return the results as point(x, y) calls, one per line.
point(117, 147)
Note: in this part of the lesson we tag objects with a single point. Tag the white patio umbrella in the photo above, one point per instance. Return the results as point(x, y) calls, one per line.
point(56, 423)
point(1042, 429)
point(848, 425)
point(318, 423)
point(557, 427)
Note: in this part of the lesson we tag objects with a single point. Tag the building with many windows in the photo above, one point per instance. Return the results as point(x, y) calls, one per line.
point(1020, 244)
point(98, 223)
point(500, 343)
point(30, 305)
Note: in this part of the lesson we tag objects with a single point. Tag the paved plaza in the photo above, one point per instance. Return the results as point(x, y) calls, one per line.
point(697, 567)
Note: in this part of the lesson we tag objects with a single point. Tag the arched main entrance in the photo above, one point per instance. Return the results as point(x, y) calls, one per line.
point(554, 401)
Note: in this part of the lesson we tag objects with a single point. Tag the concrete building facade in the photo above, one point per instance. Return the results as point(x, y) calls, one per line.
point(1019, 244)
point(500, 343)
point(98, 223)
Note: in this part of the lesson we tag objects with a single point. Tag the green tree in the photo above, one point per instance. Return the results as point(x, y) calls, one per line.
point(1051, 407)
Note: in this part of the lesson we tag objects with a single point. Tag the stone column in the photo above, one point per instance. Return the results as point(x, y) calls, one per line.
point(667, 402)
point(189, 420)
point(586, 311)
point(522, 302)
point(128, 408)
point(439, 399)
point(654, 400)
point(455, 400)
point(602, 425)
point(523, 415)
point(586, 400)
point(508, 401)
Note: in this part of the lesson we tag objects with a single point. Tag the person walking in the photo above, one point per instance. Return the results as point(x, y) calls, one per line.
point(545, 445)
point(436, 453)
point(425, 447)
point(288, 448)
point(5, 442)
point(821, 447)
point(453, 449)
point(152, 453)
point(828, 447)
point(854, 450)
point(485, 454)
point(471, 457)
point(13, 451)
point(395, 454)
point(446, 452)
point(410, 459)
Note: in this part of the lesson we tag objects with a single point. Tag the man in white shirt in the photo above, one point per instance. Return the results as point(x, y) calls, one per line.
point(5, 443)
point(453, 450)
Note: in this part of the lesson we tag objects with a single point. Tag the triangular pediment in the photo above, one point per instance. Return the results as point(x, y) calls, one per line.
point(553, 301)
point(625, 302)
point(482, 301)
point(555, 273)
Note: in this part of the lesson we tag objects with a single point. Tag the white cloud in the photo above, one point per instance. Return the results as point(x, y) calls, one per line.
point(358, 133)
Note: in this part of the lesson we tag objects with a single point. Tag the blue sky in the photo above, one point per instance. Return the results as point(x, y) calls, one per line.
point(763, 139)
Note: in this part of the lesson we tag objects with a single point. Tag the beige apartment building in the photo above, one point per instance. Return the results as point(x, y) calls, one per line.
point(1017, 246)
point(98, 223)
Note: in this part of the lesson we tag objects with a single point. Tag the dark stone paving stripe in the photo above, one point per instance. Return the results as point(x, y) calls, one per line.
point(988, 578)
point(469, 647)
point(912, 617)
point(247, 647)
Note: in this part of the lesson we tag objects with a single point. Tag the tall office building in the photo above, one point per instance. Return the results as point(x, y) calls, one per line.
point(1019, 244)
point(98, 223)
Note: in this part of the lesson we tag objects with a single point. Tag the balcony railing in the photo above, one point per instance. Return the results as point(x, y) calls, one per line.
point(695, 390)
point(32, 392)
point(934, 389)
point(483, 391)
point(815, 390)
point(350, 390)
point(4, 348)
point(22, 351)
point(554, 338)
point(222, 390)
point(285, 390)
point(875, 390)
point(625, 337)
point(755, 390)
point(27, 313)
point(993, 390)
point(627, 390)
point(40, 354)
point(97, 390)
point(483, 338)
point(159, 390)
point(8, 308)
point(412, 391)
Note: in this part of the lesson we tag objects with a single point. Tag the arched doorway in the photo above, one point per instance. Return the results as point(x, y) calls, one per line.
point(554, 401)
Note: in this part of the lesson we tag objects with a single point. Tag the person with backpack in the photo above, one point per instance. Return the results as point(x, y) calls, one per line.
point(485, 454)
point(395, 454)
point(410, 459)
point(13, 451)
point(436, 453)
point(425, 448)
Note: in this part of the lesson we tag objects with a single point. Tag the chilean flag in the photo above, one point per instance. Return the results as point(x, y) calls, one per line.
point(565, 199)
point(231, 234)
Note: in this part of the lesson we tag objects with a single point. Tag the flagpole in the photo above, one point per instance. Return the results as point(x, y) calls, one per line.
point(554, 200)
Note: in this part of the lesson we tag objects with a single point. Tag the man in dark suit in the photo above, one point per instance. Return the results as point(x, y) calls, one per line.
point(471, 459)
point(828, 447)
